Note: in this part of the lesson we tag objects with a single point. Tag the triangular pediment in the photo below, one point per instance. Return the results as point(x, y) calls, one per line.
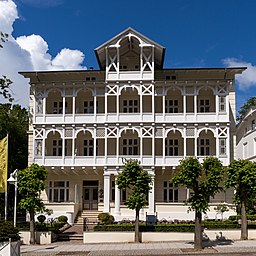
point(129, 42)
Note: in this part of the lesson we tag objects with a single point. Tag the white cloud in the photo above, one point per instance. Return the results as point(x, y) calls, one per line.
point(28, 53)
point(247, 79)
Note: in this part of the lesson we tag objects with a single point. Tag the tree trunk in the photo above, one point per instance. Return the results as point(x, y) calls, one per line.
point(198, 231)
point(244, 230)
point(137, 232)
point(32, 227)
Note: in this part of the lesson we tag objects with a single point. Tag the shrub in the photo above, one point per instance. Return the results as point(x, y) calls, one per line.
point(57, 226)
point(41, 226)
point(7, 230)
point(62, 218)
point(106, 218)
point(41, 218)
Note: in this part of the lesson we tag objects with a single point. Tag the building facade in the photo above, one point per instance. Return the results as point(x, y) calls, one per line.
point(246, 136)
point(86, 123)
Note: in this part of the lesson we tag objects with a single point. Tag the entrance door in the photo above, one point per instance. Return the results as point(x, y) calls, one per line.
point(90, 194)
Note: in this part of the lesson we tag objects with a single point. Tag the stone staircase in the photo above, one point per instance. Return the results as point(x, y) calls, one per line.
point(85, 221)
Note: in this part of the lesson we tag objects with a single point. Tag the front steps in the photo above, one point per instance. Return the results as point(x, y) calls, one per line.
point(75, 232)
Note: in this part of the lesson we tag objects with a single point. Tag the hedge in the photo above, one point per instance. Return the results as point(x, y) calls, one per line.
point(169, 227)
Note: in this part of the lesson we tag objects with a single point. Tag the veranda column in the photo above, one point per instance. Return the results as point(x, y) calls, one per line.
point(44, 108)
point(106, 191)
point(117, 199)
point(151, 197)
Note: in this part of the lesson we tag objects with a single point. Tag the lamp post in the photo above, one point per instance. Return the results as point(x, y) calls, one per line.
point(14, 180)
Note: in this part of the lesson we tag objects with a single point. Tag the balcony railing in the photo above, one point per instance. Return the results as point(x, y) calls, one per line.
point(101, 161)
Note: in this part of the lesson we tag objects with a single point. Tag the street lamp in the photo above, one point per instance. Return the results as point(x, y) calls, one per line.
point(14, 180)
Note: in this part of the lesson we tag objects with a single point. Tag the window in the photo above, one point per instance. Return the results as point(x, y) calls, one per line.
point(171, 106)
point(253, 124)
point(223, 150)
point(38, 147)
point(245, 150)
point(203, 147)
point(171, 147)
point(123, 195)
point(88, 147)
point(58, 191)
point(88, 107)
point(58, 107)
point(57, 147)
point(204, 105)
point(130, 106)
point(171, 194)
point(130, 147)
point(113, 190)
point(222, 104)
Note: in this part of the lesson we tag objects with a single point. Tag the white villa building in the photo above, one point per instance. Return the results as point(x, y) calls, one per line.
point(246, 136)
point(85, 123)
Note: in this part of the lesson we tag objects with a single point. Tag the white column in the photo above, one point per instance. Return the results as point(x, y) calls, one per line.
point(106, 192)
point(163, 144)
point(185, 142)
point(117, 146)
point(195, 136)
point(64, 108)
point(151, 197)
point(184, 105)
point(73, 145)
point(43, 146)
point(195, 104)
point(187, 193)
point(74, 107)
point(44, 108)
point(94, 107)
point(117, 199)
point(63, 146)
point(217, 105)
point(164, 107)
point(94, 144)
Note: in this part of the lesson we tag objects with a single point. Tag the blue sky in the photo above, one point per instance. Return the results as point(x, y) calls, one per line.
point(196, 33)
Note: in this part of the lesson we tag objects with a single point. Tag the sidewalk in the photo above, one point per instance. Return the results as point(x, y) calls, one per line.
point(164, 248)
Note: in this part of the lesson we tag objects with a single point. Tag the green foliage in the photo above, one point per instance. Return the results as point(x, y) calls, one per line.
point(3, 38)
point(41, 218)
point(204, 179)
point(210, 225)
point(137, 180)
point(5, 88)
point(31, 184)
point(7, 230)
point(4, 81)
point(241, 175)
point(106, 218)
point(14, 122)
point(62, 218)
point(245, 108)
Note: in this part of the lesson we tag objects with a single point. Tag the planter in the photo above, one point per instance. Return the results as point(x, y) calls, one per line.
point(42, 237)
point(10, 248)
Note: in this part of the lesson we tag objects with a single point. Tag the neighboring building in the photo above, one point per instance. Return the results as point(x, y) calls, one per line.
point(246, 136)
point(85, 123)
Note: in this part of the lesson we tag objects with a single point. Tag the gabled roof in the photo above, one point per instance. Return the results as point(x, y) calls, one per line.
point(130, 35)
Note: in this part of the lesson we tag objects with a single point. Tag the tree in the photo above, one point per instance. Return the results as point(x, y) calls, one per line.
point(136, 179)
point(241, 175)
point(204, 180)
point(245, 108)
point(31, 182)
point(4, 81)
point(14, 122)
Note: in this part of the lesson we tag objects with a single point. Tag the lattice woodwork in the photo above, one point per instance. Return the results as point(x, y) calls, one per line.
point(147, 131)
point(190, 132)
point(159, 132)
point(39, 133)
point(112, 132)
point(222, 131)
point(100, 133)
point(68, 133)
